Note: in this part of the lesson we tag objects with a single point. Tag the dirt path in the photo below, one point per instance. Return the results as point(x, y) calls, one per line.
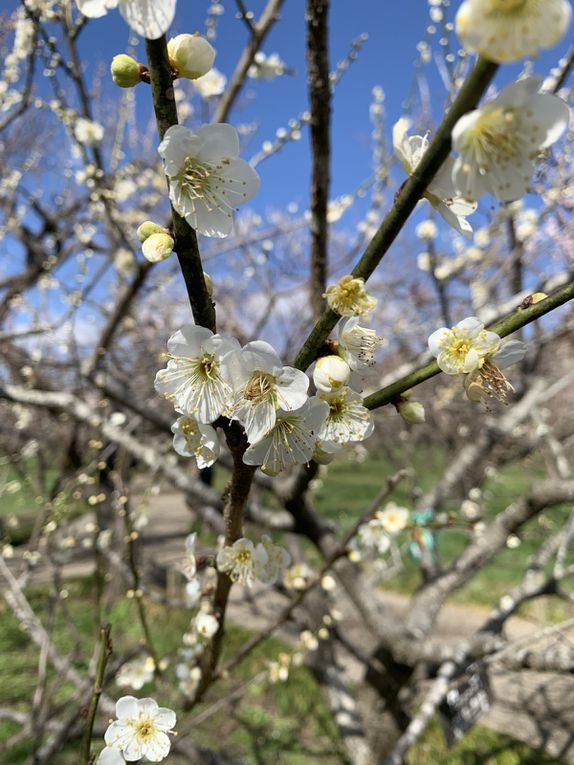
point(537, 708)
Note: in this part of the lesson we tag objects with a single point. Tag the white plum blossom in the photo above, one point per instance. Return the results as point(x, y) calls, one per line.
point(194, 377)
point(426, 230)
point(440, 192)
point(192, 593)
point(477, 353)
point(373, 536)
point(394, 518)
point(266, 67)
point(207, 179)
point(191, 56)
point(330, 373)
point(263, 386)
point(298, 576)
point(347, 420)
point(189, 678)
point(206, 624)
point(356, 344)
point(136, 673)
point(141, 729)
point(271, 561)
point(149, 18)
point(462, 348)
point(193, 439)
point(508, 30)
point(87, 132)
point(211, 84)
point(240, 560)
point(349, 297)
point(499, 141)
point(291, 441)
point(189, 564)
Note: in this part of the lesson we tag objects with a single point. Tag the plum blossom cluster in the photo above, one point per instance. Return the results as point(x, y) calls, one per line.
point(498, 142)
point(480, 355)
point(209, 376)
point(141, 730)
point(244, 562)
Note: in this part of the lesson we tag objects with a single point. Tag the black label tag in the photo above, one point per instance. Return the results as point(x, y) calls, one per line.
point(466, 701)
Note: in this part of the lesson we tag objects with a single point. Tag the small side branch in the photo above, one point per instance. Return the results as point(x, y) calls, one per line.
point(105, 653)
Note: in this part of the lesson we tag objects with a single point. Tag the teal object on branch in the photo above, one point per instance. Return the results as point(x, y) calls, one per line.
point(426, 537)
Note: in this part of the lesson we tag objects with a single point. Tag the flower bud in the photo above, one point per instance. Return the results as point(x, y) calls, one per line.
point(125, 71)
point(191, 55)
point(412, 412)
point(331, 372)
point(538, 297)
point(148, 228)
point(157, 247)
point(208, 284)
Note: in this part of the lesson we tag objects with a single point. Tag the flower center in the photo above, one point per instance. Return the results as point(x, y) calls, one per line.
point(494, 137)
point(260, 387)
point(195, 177)
point(208, 368)
point(337, 409)
point(459, 348)
point(144, 728)
point(189, 429)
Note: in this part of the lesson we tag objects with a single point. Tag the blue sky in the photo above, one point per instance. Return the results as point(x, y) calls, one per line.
point(386, 59)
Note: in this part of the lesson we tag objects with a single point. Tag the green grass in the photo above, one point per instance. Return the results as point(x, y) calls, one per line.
point(288, 723)
point(349, 488)
point(283, 724)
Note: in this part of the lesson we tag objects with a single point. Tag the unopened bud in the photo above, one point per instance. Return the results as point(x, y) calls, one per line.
point(412, 412)
point(148, 228)
point(157, 247)
point(331, 372)
point(190, 55)
point(125, 71)
point(538, 297)
point(208, 284)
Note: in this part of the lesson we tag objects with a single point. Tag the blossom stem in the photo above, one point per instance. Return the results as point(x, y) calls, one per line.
point(186, 246)
point(513, 322)
point(105, 653)
point(406, 201)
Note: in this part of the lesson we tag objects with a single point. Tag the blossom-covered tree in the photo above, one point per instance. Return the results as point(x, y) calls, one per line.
point(159, 305)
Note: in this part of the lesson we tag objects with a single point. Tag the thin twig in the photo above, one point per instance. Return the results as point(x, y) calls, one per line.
point(105, 653)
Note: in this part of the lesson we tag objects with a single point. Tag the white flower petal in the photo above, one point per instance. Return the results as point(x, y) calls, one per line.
point(157, 749)
point(436, 339)
point(511, 352)
point(95, 8)
point(218, 140)
point(110, 756)
point(127, 707)
point(149, 18)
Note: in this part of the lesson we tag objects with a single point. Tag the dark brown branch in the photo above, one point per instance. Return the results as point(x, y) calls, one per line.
point(320, 100)
point(186, 246)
